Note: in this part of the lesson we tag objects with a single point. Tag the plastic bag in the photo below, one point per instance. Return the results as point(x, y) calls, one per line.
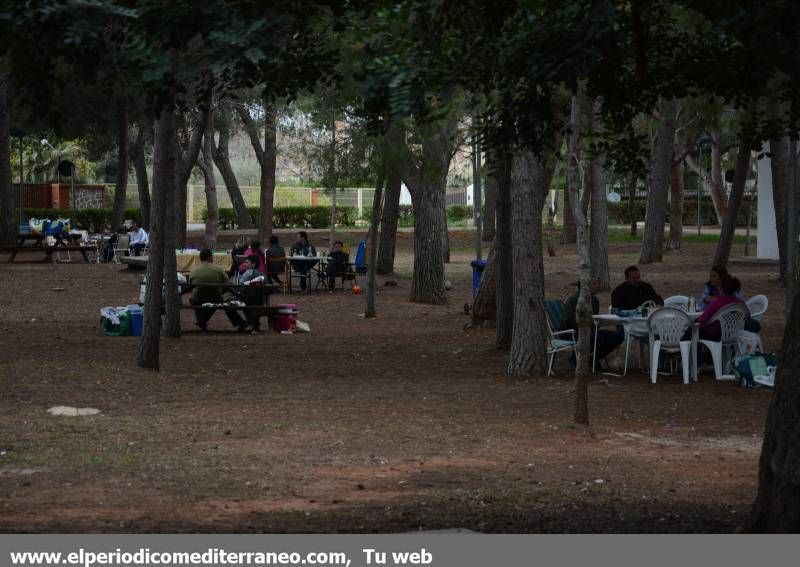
point(115, 321)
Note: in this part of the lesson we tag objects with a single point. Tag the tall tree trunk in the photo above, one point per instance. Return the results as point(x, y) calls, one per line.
point(222, 160)
point(268, 166)
point(632, 203)
point(206, 164)
point(185, 164)
point(777, 505)
point(779, 150)
point(502, 248)
point(530, 180)
point(661, 164)
point(484, 306)
point(445, 233)
point(172, 319)
point(8, 230)
point(389, 216)
point(332, 179)
point(164, 179)
point(121, 185)
point(369, 311)
point(569, 234)
point(723, 251)
point(717, 188)
point(427, 283)
point(676, 189)
point(599, 217)
point(140, 168)
point(489, 201)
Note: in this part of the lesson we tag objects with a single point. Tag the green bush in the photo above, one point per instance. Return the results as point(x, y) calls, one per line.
point(457, 213)
point(620, 214)
point(291, 217)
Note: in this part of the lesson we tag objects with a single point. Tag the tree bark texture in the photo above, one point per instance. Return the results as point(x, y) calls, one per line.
point(717, 188)
point(484, 306)
point(632, 203)
point(725, 242)
point(140, 169)
point(222, 160)
point(332, 179)
point(445, 233)
point(8, 228)
point(206, 165)
point(369, 311)
point(504, 329)
point(267, 156)
point(779, 162)
point(123, 163)
point(569, 233)
point(660, 167)
point(426, 179)
point(676, 191)
point(389, 217)
point(489, 199)
point(599, 209)
point(172, 318)
point(530, 181)
point(777, 505)
point(164, 177)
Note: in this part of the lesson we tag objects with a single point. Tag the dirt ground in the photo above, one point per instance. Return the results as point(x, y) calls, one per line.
point(401, 423)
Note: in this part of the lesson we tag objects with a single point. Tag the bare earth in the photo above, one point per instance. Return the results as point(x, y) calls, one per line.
point(401, 423)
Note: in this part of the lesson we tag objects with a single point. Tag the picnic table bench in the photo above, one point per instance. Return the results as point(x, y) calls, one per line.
point(47, 250)
point(263, 310)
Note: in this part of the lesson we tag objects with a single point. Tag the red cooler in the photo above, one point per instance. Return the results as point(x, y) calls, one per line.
point(285, 317)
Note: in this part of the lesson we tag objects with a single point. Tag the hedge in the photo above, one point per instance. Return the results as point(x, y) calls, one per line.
point(620, 212)
point(291, 217)
point(93, 220)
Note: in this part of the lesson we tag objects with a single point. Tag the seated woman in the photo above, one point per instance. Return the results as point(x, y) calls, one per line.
point(255, 250)
point(238, 250)
point(729, 287)
point(712, 288)
point(275, 250)
point(254, 296)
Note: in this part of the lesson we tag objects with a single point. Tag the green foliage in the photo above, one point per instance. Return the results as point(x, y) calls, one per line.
point(457, 213)
point(620, 212)
point(292, 217)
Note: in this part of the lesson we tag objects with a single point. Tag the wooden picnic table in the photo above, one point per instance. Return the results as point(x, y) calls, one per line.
point(263, 310)
point(47, 250)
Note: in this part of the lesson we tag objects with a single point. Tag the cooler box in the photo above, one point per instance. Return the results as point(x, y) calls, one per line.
point(285, 317)
point(123, 329)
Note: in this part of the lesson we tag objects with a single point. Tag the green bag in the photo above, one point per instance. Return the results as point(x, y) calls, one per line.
point(121, 330)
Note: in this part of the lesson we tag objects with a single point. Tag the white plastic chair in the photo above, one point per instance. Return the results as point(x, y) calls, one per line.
point(121, 248)
point(666, 328)
point(559, 341)
point(757, 305)
point(678, 302)
point(634, 330)
point(731, 320)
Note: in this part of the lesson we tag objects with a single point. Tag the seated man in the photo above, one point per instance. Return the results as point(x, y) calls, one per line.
point(209, 273)
point(607, 339)
point(139, 239)
point(302, 247)
point(337, 266)
point(631, 293)
point(275, 250)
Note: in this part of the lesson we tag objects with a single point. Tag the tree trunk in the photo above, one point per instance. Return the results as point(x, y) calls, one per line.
point(375, 216)
point(445, 233)
point(552, 211)
point(140, 168)
point(172, 319)
point(779, 162)
point(632, 203)
point(661, 164)
point(222, 160)
point(121, 185)
point(332, 180)
point(599, 217)
point(8, 229)
point(484, 306)
point(164, 179)
point(504, 329)
point(777, 505)
point(427, 283)
point(530, 179)
point(676, 189)
point(723, 251)
point(185, 164)
point(717, 188)
point(206, 164)
point(569, 234)
point(389, 216)
point(269, 162)
point(489, 201)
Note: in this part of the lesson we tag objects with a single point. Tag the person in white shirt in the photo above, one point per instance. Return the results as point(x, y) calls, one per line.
point(139, 239)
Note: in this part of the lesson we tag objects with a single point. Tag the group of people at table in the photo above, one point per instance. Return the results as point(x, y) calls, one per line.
point(253, 265)
point(721, 290)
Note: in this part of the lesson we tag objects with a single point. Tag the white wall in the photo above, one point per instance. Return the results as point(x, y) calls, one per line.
point(767, 244)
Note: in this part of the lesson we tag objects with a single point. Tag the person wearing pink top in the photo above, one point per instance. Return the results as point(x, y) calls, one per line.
point(255, 250)
point(730, 287)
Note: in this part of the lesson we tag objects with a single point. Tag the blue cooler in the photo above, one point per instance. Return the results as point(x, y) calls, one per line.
point(136, 314)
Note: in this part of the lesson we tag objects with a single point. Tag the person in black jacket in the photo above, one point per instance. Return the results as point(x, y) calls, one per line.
point(337, 264)
point(631, 293)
